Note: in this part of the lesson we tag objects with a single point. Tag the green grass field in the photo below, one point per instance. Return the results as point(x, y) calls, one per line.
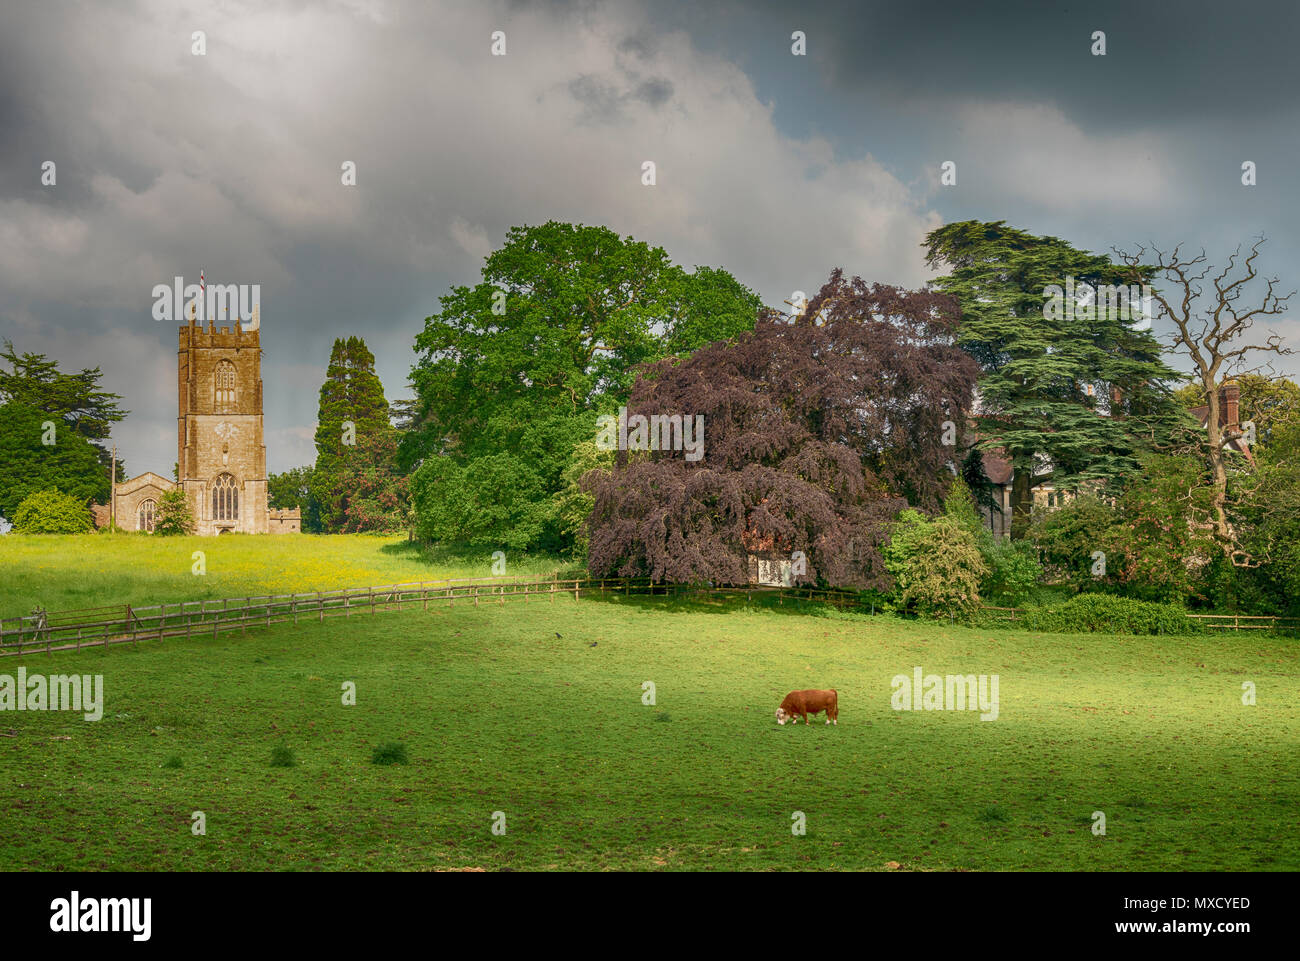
point(75, 571)
point(497, 713)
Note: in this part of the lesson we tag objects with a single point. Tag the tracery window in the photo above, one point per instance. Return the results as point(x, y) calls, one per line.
point(225, 499)
point(224, 381)
point(145, 517)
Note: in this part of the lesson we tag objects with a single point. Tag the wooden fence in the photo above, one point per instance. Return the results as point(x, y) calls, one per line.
point(130, 624)
point(1231, 622)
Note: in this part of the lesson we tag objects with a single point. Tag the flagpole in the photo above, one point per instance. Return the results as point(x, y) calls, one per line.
point(112, 500)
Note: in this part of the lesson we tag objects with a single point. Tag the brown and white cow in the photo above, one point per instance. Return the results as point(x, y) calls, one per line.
point(799, 704)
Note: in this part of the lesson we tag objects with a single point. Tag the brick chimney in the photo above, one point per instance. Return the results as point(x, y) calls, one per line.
point(1230, 399)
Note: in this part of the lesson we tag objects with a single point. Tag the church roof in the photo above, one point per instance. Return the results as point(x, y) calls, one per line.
point(147, 479)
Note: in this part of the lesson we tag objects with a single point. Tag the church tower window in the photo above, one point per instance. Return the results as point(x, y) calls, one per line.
point(225, 499)
point(225, 387)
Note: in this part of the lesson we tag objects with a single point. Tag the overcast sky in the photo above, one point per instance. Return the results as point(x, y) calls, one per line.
point(774, 166)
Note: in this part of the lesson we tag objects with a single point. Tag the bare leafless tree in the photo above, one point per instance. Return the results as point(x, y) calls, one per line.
point(1212, 327)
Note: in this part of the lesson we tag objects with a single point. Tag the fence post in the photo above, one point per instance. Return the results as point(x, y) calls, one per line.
point(476, 595)
point(424, 594)
point(575, 588)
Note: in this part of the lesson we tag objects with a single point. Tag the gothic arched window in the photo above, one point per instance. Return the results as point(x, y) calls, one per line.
point(144, 519)
point(224, 381)
point(225, 499)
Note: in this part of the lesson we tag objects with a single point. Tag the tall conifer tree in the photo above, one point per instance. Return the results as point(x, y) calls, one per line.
point(355, 441)
point(1072, 393)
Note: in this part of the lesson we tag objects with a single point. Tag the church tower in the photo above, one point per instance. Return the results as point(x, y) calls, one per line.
point(220, 455)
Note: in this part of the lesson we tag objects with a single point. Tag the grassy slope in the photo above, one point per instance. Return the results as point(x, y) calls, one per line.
point(64, 572)
point(497, 713)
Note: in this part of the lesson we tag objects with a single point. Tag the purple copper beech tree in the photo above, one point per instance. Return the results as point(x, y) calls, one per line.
point(818, 428)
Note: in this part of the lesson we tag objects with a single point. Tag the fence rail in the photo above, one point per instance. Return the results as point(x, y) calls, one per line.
point(130, 624)
point(1234, 622)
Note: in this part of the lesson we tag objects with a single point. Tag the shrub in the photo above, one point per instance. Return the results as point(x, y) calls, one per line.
point(573, 504)
point(898, 554)
point(1013, 567)
point(944, 573)
point(1160, 544)
point(51, 512)
point(174, 516)
point(1112, 615)
point(282, 756)
point(1067, 537)
point(1013, 573)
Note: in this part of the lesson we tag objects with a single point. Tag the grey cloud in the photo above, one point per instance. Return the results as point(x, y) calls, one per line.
point(656, 92)
point(169, 164)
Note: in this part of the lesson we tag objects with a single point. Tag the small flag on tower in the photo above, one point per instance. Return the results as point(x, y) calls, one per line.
point(203, 287)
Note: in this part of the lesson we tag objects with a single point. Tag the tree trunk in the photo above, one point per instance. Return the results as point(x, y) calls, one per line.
point(1022, 502)
point(1218, 467)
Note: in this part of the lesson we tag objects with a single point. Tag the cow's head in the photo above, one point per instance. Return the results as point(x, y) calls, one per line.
point(781, 715)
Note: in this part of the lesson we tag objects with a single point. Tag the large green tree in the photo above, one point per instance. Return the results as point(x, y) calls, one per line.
point(1072, 392)
point(74, 401)
point(29, 465)
point(512, 371)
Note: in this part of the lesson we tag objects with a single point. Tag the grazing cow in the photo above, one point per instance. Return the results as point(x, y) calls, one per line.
point(799, 704)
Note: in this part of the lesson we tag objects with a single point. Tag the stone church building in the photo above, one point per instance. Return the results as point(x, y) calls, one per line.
point(220, 454)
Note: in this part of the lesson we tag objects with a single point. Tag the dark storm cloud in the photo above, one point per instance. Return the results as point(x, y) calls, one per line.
point(168, 163)
point(1165, 62)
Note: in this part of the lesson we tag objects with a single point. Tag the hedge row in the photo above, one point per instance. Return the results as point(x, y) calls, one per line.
point(1104, 613)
